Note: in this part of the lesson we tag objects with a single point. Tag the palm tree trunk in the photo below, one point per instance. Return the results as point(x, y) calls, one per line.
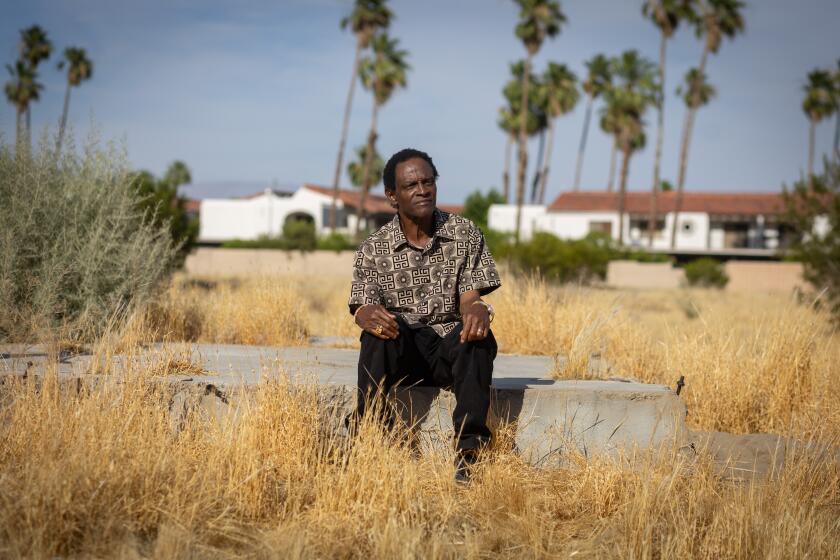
point(811, 143)
point(548, 150)
point(18, 130)
point(348, 105)
point(28, 129)
point(506, 174)
point(371, 146)
point(837, 136)
point(582, 146)
point(622, 194)
point(611, 180)
point(660, 134)
point(523, 148)
point(538, 173)
point(62, 124)
point(686, 140)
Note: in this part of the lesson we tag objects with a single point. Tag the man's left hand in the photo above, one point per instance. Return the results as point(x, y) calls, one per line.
point(476, 322)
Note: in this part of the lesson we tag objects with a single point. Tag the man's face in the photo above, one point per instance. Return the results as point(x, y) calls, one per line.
point(416, 192)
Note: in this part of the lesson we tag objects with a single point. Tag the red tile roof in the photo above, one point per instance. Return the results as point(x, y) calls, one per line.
point(375, 203)
point(451, 208)
point(639, 203)
point(192, 205)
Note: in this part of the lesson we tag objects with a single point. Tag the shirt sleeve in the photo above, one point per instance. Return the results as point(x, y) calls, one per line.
point(480, 272)
point(365, 286)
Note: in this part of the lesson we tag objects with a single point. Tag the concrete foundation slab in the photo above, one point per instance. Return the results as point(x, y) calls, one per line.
point(551, 417)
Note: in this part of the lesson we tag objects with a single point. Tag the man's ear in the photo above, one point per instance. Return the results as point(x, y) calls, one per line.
point(392, 197)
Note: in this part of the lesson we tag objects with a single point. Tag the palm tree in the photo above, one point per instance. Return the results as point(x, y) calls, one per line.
point(79, 69)
point(510, 114)
point(633, 91)
point(608, 125)
point(508, 121)
point(558, 95)
point(381, 74)
point(34, 48)
point(21, 90)
point(177, 174)
point(715, 20)
point(666, 15)
point(819, 103)
point(597, 82)
point(695, 92)
point(356, 168)
point(629, 72)
point(366, 19)
point(538, 20)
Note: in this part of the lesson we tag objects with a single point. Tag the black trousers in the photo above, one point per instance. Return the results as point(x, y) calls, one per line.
point(418, 356)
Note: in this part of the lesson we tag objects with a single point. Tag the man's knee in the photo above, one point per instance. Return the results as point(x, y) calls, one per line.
point(486, 344)
point(367, 338)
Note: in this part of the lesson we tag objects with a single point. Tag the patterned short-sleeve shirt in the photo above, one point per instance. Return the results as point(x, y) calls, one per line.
point(423, 285)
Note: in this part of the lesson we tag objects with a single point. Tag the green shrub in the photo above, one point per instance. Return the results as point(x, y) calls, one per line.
point(261, 242)
point(582, 260)
point(163, 207)
point(75, 249)
point(813, 210)
point(706, 273)
point(565, 260)
point(299, 235)
point(335, 242)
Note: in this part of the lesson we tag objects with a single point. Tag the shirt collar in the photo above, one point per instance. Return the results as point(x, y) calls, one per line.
point(442, 229)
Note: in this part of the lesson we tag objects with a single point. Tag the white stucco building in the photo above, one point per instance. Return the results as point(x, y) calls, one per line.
point(707, 222)
point(265, 213)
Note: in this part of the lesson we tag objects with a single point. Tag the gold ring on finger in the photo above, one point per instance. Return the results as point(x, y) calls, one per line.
point(378, 329)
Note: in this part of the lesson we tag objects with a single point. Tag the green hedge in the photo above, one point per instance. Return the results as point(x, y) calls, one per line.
point(705, 273)
point(566, 260)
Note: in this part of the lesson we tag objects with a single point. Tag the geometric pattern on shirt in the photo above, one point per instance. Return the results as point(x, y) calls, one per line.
point(423, 284)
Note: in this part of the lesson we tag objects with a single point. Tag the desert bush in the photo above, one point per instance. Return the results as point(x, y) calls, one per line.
point(705, 273)
point(564, 260)
point(336, 242)
point(299, 235)
point(164, 208)
point(813, 209)
point(580, 261)
point(75, 249)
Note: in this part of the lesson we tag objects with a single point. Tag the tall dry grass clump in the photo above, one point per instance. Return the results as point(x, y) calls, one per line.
point(107, 472)
point(753, 363)
point(259, 311)
point(75, 250)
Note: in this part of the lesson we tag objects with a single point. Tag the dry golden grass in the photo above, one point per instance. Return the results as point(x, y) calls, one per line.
point(104, 473)
point(752, 363)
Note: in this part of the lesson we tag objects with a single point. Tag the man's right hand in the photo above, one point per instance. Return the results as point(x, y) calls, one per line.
point(371, 317)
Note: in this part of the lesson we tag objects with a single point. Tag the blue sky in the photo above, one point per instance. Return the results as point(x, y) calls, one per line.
point(252, 92)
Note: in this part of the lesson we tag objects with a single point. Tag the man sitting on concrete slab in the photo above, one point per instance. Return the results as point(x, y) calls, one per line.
point(416, 294)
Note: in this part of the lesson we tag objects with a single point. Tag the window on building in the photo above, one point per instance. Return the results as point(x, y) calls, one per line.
point(340, 216)
point(642, 225)
point(600, 227)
